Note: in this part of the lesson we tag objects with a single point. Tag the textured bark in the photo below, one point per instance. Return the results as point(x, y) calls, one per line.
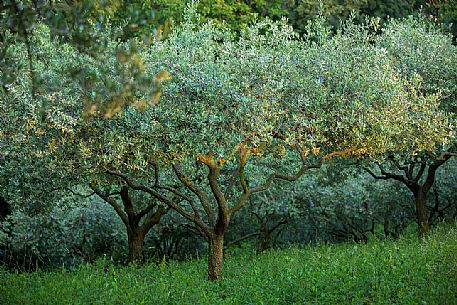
point(421, 212)
point(136, 241)
point(215, 256)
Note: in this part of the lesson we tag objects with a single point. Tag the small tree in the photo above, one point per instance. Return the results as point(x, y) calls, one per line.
point(43, 114)
point(138, 221)
point(418, 180)
point(422, 50)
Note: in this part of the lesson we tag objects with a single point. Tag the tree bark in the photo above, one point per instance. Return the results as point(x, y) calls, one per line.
point(135, 241)
point(421, 211)
point(215, 256)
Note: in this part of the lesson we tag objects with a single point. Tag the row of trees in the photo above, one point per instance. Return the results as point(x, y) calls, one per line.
point(143, 18)
point(330, 205)
point(238, 14)
point(237, 113)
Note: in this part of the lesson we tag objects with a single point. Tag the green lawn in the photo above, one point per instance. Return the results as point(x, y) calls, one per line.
point(406, 271)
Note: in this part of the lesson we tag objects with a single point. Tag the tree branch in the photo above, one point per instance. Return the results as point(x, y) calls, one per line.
point(392, 175)
point(410, 170)
point(111, 202)
point(280, 176)
point(420, 172)
point(238, 240)
point(173, 190)
point(128, 207)
point(200, 193)
point(147, 209)
point(153, 218)
point(433, 168)
point(280, 223)
point(183, 196)
point(399, 166)
point(213, 175)
point(368, 170)
point(244, 185)
point(77, 194)
point(196, 230)
point(161, 198)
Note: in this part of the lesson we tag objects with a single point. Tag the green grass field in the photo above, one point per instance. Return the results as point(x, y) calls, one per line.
point(405, 271)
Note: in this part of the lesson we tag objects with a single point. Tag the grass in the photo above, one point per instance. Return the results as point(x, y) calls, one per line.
point(405, 271)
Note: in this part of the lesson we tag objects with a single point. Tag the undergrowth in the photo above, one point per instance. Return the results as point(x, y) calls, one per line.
point(403, 271)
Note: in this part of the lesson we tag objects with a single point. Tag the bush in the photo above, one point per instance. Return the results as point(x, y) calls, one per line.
point(62, 237)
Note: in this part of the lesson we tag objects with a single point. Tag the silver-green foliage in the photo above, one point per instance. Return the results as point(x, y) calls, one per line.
point(344, 93)
point(64, 236)
point(419, 47)
point(267, 91)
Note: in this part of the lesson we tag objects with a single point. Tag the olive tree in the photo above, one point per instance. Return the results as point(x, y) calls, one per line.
point(421, 50)
point(236, 116)
point(44, 114)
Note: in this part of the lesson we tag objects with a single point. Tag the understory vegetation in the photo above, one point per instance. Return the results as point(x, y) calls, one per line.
point(404, 271)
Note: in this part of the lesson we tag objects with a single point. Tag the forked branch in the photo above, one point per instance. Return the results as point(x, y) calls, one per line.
point(168, 201)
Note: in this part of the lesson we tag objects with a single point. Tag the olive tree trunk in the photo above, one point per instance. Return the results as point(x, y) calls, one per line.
point(215, 256)
point(135, 242)
point(421, 212)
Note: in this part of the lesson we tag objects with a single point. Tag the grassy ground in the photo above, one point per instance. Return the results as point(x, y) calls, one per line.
point(406, 271)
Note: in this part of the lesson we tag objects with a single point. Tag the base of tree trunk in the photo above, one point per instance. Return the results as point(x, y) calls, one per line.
point(422, 213)
point(215, 256)
point(136, 249)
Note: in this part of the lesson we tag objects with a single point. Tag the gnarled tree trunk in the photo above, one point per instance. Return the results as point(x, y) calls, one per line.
point(135, 242)
point(132, 219)
point(215, 256)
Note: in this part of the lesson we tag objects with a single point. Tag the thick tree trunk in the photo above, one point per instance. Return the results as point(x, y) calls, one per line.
point(136, 241)
point(215, 255)
point(421, 212)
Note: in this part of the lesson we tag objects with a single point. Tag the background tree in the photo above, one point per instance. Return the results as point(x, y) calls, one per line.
point(236, 15)
point(342, 202)
point(266, 216)
point(56, 106)
point(335, 11)
point(411, 177)
point(443, 11)
point(65, 236)
point(137, 219)
point(392, 9)
point(422, 50)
